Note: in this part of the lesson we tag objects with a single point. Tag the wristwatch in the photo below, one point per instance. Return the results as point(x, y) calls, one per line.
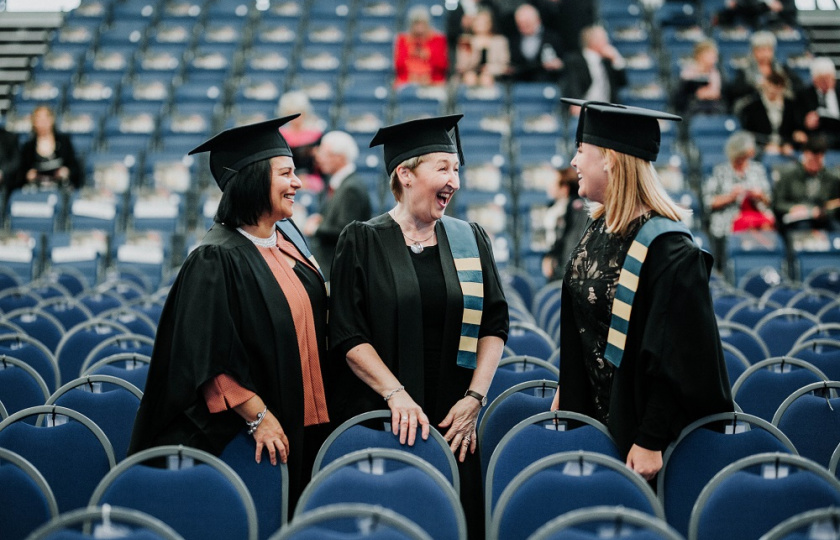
point(481, 399)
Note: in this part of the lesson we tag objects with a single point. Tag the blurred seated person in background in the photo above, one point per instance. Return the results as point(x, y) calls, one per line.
point(566, 220)
point(9, 159)
point(820, 102)
point(731, 183)
point(303, 134)
point(701, 82)
point(460, 17)
point(421, 55)
point(807, 195)
point(762, 62)
point(48, 159)
point(535, 51)
point(757, 13)
point(596, 73)
point(773, 118)
point(566, 18)
point(345, 200)
point(482, 55)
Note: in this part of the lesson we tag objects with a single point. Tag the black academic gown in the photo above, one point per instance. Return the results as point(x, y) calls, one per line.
point(350, 202)
point(225, 313)
point(375, 298)
point(673, 370)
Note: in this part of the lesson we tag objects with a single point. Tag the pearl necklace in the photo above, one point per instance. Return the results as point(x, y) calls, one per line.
point(269, 242)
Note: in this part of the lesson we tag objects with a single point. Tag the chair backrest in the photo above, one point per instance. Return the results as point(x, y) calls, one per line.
point(564, 482)
point(736, 362)
point(131, 367)
point(268, 484)
point(811, 421)
point(80, 340)
point(38, 324)
point(34, 353)
point(745, 339)
point(511, 407)
point(826, 278)
point(68, 311)
point(19, 297)
point(26, 500)
point(751, 496)
point(20, 385)
point(781, 328)
point(120, 343)
point(110, 402)
point(750, 310)
point(529, 339)
point(373, 430)
point(516, 369)
point(129, 524)
point(353, 520)
point(811, 300)
point(822, 353)
point(830, 312)
point(201, 497)
point(73, 456)
point(763, 386)
point(820, 523)
point(824, 330)
point(97, 302)
point(546, 302)
point(136, 321)
point(704, 448)
point(536, 437)
point(379, 476)
point(598, 521)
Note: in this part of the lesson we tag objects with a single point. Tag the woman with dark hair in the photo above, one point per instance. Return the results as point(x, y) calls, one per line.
point(48, 159)
point(242, 336)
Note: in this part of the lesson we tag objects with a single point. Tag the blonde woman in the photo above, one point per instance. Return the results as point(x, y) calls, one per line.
point(648, 375)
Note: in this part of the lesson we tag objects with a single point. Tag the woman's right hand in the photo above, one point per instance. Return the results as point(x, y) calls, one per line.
point(406, 415)
point(270, 436)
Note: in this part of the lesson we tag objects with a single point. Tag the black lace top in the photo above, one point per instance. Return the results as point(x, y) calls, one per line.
point(591, 278)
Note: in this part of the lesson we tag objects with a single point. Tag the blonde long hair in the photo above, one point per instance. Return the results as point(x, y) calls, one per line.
point(633, 184)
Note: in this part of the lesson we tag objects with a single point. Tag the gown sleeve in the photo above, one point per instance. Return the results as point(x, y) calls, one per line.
point(349, 309)
point(684, 373)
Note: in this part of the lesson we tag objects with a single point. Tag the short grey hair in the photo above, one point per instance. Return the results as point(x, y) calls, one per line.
point(822, 65)
point(739, 143)
point(341, 143)
point(763, 39)
point(418, 13)
point(294, 102)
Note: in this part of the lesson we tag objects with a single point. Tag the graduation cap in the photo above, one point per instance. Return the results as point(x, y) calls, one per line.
point(625, 129)
point(238, 147)
point(418, 137)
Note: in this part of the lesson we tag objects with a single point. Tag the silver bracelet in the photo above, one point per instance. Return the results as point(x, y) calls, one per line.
point(390, 394)
point(252, 426)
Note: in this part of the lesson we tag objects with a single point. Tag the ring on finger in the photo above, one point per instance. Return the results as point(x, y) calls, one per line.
point(404, 419)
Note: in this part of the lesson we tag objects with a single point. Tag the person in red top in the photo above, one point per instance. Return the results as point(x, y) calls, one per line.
point(420, 55)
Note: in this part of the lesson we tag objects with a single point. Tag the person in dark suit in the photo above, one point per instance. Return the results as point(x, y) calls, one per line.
point(820, 102)
point(596, 73)
point(346, 198)
point(535, 51)
point(48, 157)
point(9, 158)
point(772, 118)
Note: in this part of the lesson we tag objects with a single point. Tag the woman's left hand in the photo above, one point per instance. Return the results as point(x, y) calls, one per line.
point(461, 421)
point(645, 462)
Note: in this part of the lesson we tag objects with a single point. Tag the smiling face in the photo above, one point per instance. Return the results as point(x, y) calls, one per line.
point(284, 184)
point(591, 166)
point(430, 186)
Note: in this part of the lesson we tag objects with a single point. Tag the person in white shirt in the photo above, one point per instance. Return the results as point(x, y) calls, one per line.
point(820, 102)
point(597, 72)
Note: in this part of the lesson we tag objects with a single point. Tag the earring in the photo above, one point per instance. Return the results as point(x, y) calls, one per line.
point(408, 184)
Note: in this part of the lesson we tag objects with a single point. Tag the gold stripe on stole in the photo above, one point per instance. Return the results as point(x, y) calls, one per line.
point(621, 309)
point(468, 344)
point(629, 280)
point(616, 338)
point(473, 289)
point(473, 263)
point(638, 251)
